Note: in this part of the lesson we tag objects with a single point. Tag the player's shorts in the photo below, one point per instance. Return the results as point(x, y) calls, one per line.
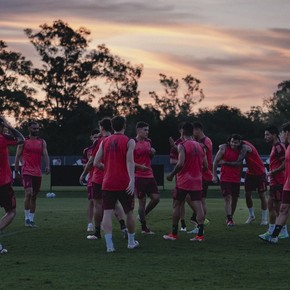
point(205, 184)
point(230, 188)
point(255, 182)
point(286, 197)
point(7, 197)
point(276, 192)
point(180, 194)
point(145, 186)
point(96, 191)
point(33, 182)
point(111, 197)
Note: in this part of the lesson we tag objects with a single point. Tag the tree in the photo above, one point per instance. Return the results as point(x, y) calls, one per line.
point(278, 105)
point(16, 96)
point(170, 103)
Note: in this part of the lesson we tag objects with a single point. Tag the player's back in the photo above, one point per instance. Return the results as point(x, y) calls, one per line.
point(287, 169)
point(254, 162)
point(207, 143)
point(116, 176)
point(142, 155)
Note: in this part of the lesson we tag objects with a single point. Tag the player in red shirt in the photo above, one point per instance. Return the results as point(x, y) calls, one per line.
point(230, 176)
point(31, 152)
point(117, 154)
point(188, 171)
point(87, 153)
point(285, 203)
point(145, 182)
point(276, 174)
point(96, 179)
point(7, 197)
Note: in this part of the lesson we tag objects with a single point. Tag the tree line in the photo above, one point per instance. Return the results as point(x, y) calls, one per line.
point(60, 90)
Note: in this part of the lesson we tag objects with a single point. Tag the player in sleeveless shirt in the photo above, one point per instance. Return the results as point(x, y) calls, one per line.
point(285, 203)
point(191, 160)
point(31, 153)
point(145, 182)
point(117, 153)
point(230, 176)
point(87, 153)
point(7, 197)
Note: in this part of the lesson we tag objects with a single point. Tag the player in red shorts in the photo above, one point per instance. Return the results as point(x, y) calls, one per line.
point(145, 182)
point(31, 152)
point(117, 153)
point(230, 176)
point(7, 197)
point(96, 178)
point(277, 177)
point(285, 203)
point(188, 171)
point(86, 156)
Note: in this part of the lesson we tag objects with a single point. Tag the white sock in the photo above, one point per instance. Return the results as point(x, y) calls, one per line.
point(26, 212)
point(264, 214)
point(109, 241)
point(131, 239)
point(284, 230)
point(31, 217)
point(271, 228)
point(251, 211)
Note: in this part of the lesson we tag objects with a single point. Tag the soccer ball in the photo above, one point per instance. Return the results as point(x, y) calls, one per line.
point(50, 195)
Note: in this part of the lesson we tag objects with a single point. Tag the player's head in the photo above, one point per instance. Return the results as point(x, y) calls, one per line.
point(142, 129)
point(105, 125)
point(94, 135)
point(235, 141)
point(271, 134)
point(118, 123)
point(187, 129)
point(286, 130)
point(33, 128)
point(197, 129)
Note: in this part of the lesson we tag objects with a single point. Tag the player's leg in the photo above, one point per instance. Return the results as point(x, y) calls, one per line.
point(36, 183)
point(182, 218)
point(249, 187)
point(154, 200)
point(120, 215)
point(27, 201)
point(264, 219)
point(90, 209)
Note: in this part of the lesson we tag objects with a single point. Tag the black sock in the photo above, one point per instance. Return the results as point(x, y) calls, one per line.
point(174, 229)
point(200, 229)
point(193, 217)
point(143, 225)
point(276, 231)
point(98, 231)
point(230, 217)
point(183, 224)
point(122, 224)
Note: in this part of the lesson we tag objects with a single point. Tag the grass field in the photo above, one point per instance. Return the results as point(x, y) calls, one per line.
point(56, 255)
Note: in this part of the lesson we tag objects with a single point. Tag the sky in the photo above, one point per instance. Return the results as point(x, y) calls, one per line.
point(239, 49)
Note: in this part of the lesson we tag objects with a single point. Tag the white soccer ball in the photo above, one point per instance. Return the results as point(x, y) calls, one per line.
point(50, 195)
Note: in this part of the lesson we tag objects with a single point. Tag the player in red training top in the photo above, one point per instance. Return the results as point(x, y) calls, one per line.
point(285, 203)
point(255, 179)
point(145, 182)
point(87, 153)
point(230, 176)
point(31, 152)
point(7, 197)
point(276, 174)
point(117, 153)
point(96, 193)
point(188, 171)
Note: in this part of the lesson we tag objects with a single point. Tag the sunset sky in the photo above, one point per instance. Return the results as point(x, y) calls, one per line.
point(239, 49)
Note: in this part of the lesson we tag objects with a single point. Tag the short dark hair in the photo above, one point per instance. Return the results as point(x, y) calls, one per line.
point(1, 121)
point(235, 137)
point(95, 131)
point(106, 124)
point(197, 125)
point(141, 124)
point(286, 127)
point(30, 123)
point(118, 123)
point(273, 130)
point(187, 129)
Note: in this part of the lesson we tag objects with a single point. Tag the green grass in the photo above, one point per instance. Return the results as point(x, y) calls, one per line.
point(57, 254)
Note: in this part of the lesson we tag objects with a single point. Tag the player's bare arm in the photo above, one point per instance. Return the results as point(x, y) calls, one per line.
point(179, 164)
point(217, 159)
point(244, 150)
point(46, 158)
point(17, 161)
point(87, 168)
point(99, 155)
point(131, 166)
point(205, 162)
point(14, 132)
point(277, 170)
